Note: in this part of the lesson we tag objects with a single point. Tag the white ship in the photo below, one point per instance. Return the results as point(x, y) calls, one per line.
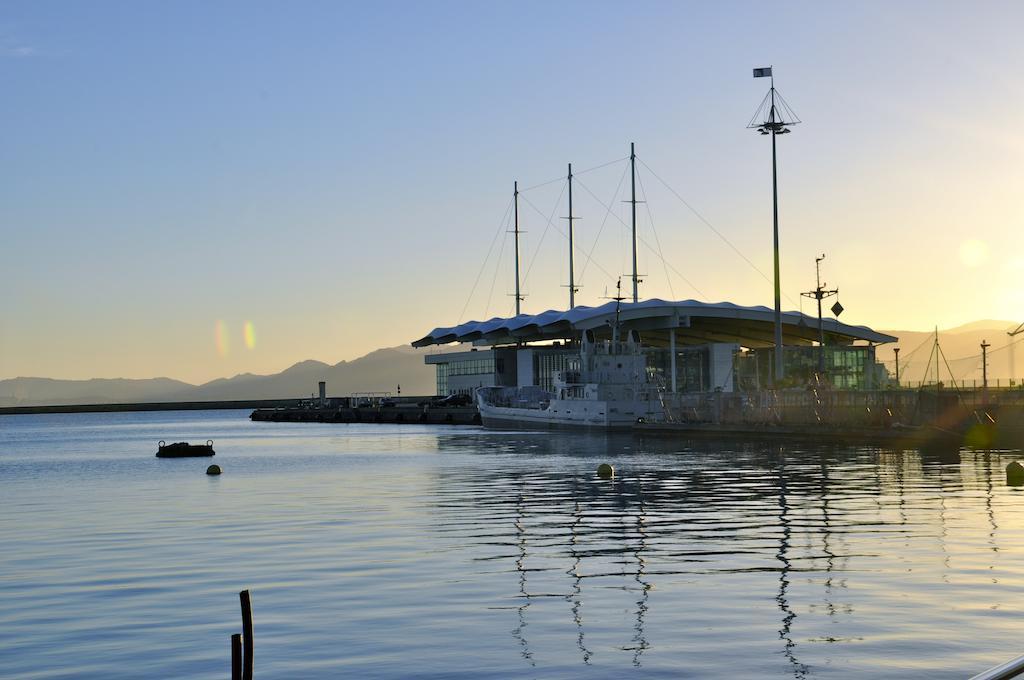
point(612, 389)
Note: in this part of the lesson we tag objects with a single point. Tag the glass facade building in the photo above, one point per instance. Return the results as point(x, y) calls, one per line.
point(851, 367)
point(698, 368)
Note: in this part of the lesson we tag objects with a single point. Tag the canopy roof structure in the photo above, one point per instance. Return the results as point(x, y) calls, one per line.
point(695, 323)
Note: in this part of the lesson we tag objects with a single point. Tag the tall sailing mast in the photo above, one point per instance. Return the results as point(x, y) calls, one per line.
point(572, 277)
point(515, 197)
point(632, 200)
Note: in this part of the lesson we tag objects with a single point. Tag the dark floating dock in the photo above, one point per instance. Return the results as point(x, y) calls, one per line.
point(409, 415)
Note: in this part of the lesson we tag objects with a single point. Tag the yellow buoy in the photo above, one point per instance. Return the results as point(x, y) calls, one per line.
point(605, 471)
point(1015, 474)
point(213, 470)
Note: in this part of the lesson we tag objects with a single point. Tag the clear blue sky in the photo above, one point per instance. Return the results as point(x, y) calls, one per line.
point(333, 174)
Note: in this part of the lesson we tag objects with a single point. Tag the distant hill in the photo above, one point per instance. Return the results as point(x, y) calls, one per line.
point(37, 391)
point(961, 347)
point(382, 370)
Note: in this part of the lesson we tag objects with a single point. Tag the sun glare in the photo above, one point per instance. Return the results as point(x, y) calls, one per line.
point(973, 253)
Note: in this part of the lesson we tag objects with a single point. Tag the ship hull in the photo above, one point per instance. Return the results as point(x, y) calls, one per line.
point(593, 415)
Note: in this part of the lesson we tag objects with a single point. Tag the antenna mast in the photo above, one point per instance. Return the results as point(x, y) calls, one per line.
point(819, 293)
point(775, 116)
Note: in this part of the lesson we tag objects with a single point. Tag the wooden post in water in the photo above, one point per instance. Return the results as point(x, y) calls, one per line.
point(246, 635)
point(236, 657)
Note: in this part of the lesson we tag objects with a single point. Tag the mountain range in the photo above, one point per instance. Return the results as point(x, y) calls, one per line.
point(385, 369)
point(959, 353)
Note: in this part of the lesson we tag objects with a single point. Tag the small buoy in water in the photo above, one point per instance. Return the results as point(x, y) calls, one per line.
point(1015, 474)
point(605, 471)
point(213, 470)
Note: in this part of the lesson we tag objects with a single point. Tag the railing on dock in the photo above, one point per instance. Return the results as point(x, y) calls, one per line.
point(1011, 669)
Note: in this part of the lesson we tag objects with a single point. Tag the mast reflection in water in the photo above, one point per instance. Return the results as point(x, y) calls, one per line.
point(844, 552)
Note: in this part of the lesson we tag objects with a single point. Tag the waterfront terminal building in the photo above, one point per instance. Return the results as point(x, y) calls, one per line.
point(691, 347)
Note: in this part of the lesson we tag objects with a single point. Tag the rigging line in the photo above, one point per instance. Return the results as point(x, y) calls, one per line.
point(563, 234)
point(604, 221)
point(545, 232)
point(928, 366)
point(657, 240)
point(1000, 349)
point(579, 172)
point(712, 228)
point(1006, 346)
point(502, 225)
point(951, 378)
point(603, 165)
point(497, 268)
point(909, 356)
point(990, 352)
point(647, 245)
point(542, 184)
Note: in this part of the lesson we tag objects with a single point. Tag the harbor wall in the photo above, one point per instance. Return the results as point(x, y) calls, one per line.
point(845, 407)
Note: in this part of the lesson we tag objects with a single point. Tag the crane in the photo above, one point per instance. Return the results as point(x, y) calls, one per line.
point(1018, 330)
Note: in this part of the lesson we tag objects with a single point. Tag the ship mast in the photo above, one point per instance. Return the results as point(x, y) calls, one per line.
point(515, 196)
point(632, 200)
point(572, 278)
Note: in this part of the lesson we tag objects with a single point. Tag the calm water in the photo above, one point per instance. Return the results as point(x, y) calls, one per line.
point(376, 551)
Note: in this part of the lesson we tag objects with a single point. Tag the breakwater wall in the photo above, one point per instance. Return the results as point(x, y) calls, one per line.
point(152, 406)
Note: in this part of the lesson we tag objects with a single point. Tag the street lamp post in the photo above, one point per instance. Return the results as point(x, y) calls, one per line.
point(773, 117)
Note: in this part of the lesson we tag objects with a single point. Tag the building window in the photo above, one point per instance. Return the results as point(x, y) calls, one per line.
point(471, 367)
point(442, 380)
point(549, 363)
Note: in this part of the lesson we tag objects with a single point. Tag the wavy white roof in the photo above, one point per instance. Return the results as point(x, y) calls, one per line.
point(695, 323)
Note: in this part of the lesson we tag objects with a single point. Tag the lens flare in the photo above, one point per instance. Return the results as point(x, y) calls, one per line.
point(250, 335)
point(220, 338)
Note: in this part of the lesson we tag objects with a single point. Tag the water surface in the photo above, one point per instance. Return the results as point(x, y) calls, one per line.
point(388, 551)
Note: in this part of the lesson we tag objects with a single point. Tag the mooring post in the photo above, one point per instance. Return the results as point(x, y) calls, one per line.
point(236, 656)
point(246, 635)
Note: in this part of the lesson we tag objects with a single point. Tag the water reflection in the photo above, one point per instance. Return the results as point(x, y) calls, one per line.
point(812, 517)
point(788, 615)
point(575, 598)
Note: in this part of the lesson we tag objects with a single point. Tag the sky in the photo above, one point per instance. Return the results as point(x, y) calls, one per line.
point(201, 189)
